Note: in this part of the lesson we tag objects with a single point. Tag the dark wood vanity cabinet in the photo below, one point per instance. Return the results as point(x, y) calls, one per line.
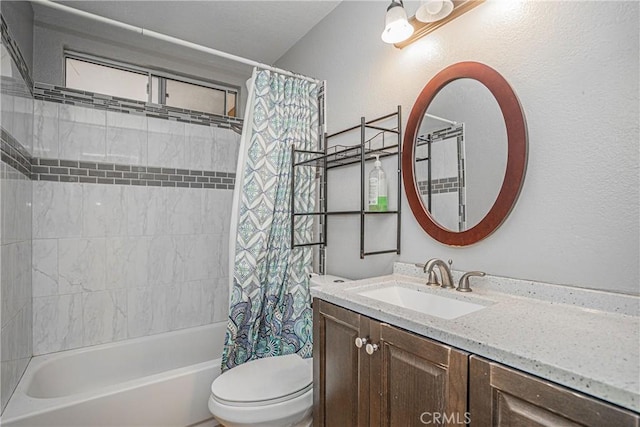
point(409, 380)
point(340, 385)
point(417, 381)
point(500, 396)
point(406, 381)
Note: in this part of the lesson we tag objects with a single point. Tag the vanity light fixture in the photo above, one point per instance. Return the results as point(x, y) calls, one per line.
point(434, 10)
point(396, 25)
point(433, 14)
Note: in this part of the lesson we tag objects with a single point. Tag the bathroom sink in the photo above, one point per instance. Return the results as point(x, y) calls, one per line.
point(422, 302)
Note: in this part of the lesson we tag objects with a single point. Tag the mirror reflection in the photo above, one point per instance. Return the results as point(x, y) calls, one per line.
point(460, 154)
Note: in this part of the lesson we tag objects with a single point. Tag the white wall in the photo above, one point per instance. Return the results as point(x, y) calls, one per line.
point(575, 68)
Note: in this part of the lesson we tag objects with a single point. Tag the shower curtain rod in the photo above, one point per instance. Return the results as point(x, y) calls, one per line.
point(451, 122)
point(174, 40)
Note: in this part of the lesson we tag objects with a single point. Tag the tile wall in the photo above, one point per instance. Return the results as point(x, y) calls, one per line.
point(120, 256)
point(15, 212)
point(114, 217)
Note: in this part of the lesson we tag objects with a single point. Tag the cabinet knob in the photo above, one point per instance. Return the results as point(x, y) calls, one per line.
point(371, 348)
point(361, 341)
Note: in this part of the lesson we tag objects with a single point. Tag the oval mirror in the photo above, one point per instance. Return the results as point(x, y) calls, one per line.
point(464, 153)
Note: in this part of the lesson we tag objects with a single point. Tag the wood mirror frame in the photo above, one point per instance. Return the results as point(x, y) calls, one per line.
point(516, 152)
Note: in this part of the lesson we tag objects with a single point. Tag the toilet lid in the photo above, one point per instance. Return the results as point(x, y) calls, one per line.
point(264, 381)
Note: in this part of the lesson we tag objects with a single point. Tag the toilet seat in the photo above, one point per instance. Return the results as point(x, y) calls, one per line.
point(263, 402)
point(264, 382)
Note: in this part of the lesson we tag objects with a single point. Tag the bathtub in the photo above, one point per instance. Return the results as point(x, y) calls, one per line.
point(160, 380)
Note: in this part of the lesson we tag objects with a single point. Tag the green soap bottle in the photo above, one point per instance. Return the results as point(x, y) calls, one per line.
point(377, 188)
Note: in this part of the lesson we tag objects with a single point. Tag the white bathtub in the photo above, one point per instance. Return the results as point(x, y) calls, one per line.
point(160, 380)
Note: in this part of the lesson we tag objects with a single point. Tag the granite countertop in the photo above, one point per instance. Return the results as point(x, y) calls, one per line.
point(592, 350)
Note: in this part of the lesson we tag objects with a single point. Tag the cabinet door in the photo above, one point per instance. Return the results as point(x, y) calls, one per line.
point(340, 369)
point(501, 396)
point(416, 381)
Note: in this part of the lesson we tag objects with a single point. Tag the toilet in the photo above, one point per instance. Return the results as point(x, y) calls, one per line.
point(270, 392)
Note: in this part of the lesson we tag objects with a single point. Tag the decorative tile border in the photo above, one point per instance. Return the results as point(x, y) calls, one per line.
point(111, 173)
point(14, 154)
point(16, 55)
point(37, 169)
point(441, 185)
point(64, 95)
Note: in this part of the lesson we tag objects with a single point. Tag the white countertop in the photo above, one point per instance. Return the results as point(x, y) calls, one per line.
point(595, 351)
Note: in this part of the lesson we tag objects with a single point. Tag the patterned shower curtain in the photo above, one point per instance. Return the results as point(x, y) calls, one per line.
point(270, 305)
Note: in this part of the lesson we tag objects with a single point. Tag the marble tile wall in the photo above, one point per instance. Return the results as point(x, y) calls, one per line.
point(112, 262)
point(73, 132)
point(15, 217)
point(15, 272)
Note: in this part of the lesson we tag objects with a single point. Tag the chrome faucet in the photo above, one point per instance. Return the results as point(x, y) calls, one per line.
point(445, 273)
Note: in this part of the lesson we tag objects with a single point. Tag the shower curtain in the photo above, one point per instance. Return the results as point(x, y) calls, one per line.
point(270, 304)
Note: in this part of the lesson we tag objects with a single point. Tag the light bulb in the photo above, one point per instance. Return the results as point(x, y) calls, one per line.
point(397, 27)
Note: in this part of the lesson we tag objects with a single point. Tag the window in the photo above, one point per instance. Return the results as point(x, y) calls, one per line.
point(180, 94)
point(107, 80)
point(99, 75)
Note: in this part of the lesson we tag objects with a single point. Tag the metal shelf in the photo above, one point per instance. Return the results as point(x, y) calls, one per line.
point(345, 213)
point(344, 156)
point(327, 213)
point(380, 212)
point(339, 156)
